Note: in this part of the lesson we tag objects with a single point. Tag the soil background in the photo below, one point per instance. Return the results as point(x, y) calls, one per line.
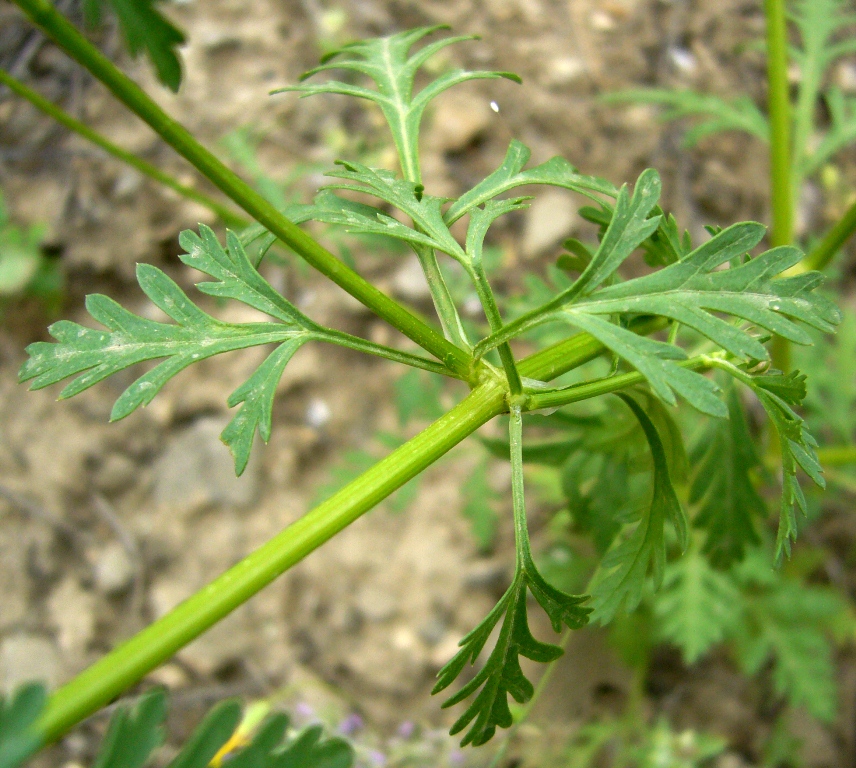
point(104, 527)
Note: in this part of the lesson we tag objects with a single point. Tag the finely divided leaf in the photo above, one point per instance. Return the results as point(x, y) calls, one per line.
point(92, 355)
point(739, 114)
point(697, 606)
point(723, 461)
point(388, 63)
point(146, 29)
point(693, 292)
point(502, 674)
point(797, 446)
point(618, 584)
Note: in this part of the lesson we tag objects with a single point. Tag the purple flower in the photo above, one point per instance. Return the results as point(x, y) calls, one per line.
point(456, 757)
point(406, 729)
point(377, 758)
point(304, 710)
point(351, 724)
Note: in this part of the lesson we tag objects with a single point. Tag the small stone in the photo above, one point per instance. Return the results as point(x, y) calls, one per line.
point(376, 604)
point(197, 471)
point(565, 69)
point(318, 413)
point(116, 473)
point(409, 281)
point(26, 658)
point(601, 21)
point(460, 118)
point(113, 571)
point(549, 220)
point(73, 614)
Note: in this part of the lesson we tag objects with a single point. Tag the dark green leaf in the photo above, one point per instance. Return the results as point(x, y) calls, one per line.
point(620, 579)
point(729, 507)
point(18, 713)
point(146, 29)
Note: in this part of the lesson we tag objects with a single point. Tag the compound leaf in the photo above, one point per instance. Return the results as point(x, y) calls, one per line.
point(728, 504)
point(388, 63)
point(739, 114)
point(145, 29)
point(798, 448)
point(697, 606)
point(690, 291)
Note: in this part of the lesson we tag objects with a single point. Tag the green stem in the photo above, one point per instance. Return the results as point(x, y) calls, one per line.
point(450, 320)
point(555, 399)
point(108, 677)
point(494, 319)
point(837, 455)
point(781, 180)
point(147, 169)
point(781, 184)
point(518, 496)
point(387, 353)
point(824, 252)
point(61, 31)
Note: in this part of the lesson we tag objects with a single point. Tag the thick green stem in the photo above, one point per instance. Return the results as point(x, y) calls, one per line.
point(147, 169)
point(57, 27)
point(124, 666)
point(121, 668)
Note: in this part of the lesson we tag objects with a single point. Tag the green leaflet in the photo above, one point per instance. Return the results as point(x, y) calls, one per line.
point(739, 114)
point(697, 606)
point(93, 355)
point(723, 461)
point(620, 579)
point(18, 714)
point(388, 63)
point(556, 172)
point(146, 29)
point(407, 196)
point(797, 446)
point(690, 291)
point(502, 676)
point(777, 392)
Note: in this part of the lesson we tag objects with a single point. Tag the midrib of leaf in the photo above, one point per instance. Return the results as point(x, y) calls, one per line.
point(407, 152)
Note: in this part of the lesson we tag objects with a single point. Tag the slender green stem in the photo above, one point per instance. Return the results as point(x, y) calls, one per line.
point(832, 241)
point(780, 122)
point(837, 455)
point(518, 497)
point(577, 392)
point(59, 29)
point(147, 169)
point(387, 353)
point(781, 180)
point(450, 320)
point(494, 319)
